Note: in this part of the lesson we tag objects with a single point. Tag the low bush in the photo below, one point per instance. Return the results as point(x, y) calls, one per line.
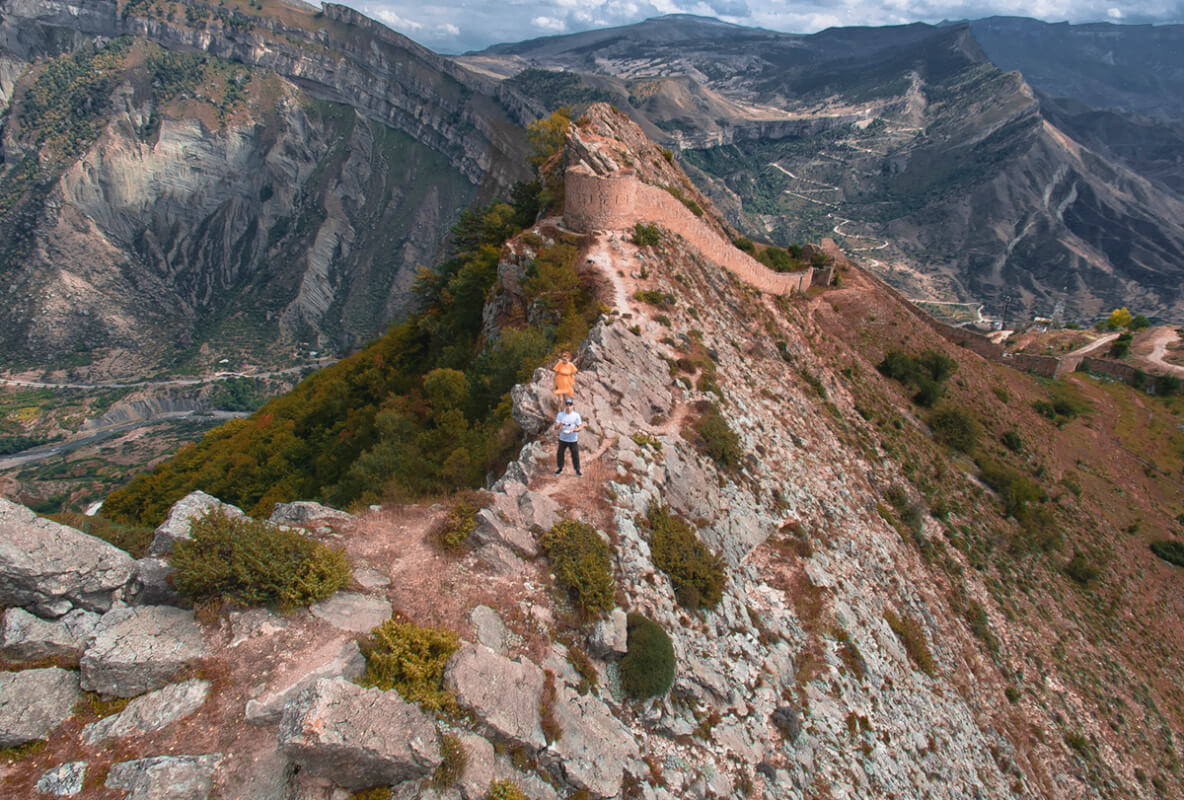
point(647, 670)
point(460, 521)
point(1012, 441)
point(1018, 492)
point(449, 773)
point(252, 563)
point(582, 564)
point(1170, 551)
point(926, 373)
point(718, 440)
point(505, 790)
point(697, 573)
point(663, 300)
point(954, 427)
point(912, 636)
point(1081, 569)
point(410, 659)
point(646, 235)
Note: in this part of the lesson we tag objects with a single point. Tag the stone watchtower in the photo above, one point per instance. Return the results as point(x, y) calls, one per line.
point(594, 202)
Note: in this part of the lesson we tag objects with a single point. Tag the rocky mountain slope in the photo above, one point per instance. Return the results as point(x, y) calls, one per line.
point(886, 624)
point(185, 182)
point(910, 145)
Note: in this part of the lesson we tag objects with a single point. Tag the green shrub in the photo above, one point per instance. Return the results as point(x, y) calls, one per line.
point(745, 244)
point(505, 790)
point(927, 373)
point(663, 300)
point(647, 670)
point(697, 573)
point(718, 440)
point(646, 235)
point(1012, 441)
point(582, 564)
point(954, 427)
point(373, 793)
point(410, 659)
point(912, 636)
point(1170, 551)
point(452, 768)
point(1019, 493)
point(460, 522)
point(1081, 569)
point(252, 563)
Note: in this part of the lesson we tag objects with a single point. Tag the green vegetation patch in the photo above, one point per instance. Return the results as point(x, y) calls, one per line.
point(505, 790)
point(252, 563)
point(697, 573)
point(912, 636)
point(1169, 550)
point(646, 235)
point(410, 659)
point(582, 564)
point(449, 773)
point(647, 670)
point(718, 441)
point(423, 410)
point(926, 373)
point(954, 427)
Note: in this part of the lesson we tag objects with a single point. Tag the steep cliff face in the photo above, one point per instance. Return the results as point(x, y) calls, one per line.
point(230, 185)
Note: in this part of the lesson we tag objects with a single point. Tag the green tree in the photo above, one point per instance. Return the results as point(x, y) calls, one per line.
point(547, 135)
point(1119, 318)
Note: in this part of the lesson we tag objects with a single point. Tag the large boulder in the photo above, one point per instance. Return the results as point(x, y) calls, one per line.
point(165, 777)
point(25, 637)
point(503, 694)
point(64, 780)
point(34, 702)
point(595, 746)
point(305, 512)
point(268, 708)
point(51, 568)
point(151, 585)
point(181, 517)
point(141, 648)
point(149, 712)
point(498, 528)
point(353, 612)
point(358, 737)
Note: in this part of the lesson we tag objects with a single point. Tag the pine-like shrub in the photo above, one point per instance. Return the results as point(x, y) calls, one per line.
point(410, 659)
point(449, 773)
point(252, 563)
point(697, 573)
point(1170, 551)
point(581, 562)
point(912, 636)
point(954, 427)
point(647, 670)
point(505, 790)
point(718, 440)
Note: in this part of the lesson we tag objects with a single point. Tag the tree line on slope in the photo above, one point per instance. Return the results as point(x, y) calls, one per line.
point(425, 409)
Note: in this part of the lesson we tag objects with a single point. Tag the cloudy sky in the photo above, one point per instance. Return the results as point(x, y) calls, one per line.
point(454, 26)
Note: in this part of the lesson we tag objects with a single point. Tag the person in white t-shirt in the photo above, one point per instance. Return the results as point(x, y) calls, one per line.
point(569, 423)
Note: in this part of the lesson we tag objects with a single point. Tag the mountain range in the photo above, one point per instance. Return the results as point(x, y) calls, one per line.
point(1003, 161)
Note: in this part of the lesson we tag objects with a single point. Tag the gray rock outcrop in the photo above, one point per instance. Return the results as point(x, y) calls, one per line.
point(303, 512)
point(181, 517)
point(504, 694)
point(165, 777)
point(64, 780)
point(610, 636)
point(34, 702)
point(350, 611)
point(141, 648)
point(358, 737)
point(25, 637)
point(150, 712)
point(489, 628)
point(595, 746)
point(348, 663)
point(151, 586)
point(51, 568)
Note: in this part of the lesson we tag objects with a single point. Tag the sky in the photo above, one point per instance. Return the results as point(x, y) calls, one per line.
point(456, 26)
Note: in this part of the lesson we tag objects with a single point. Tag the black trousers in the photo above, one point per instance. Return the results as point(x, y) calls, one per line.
point(575, 454)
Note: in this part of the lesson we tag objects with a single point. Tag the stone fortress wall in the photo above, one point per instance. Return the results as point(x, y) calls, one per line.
point(595, 203)
point(620, 200)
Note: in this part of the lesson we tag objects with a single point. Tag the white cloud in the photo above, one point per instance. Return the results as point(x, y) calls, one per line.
point(549, 24)
point(392, 20)
point(1115, 13)
point(448, 29)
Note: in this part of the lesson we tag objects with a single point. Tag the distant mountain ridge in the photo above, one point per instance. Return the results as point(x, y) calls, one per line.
point(954, 178)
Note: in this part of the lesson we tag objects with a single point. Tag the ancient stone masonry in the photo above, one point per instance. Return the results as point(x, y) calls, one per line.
point(619, 200)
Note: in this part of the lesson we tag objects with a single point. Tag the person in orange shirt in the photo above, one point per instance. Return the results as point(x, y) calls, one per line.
point(565, 378)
